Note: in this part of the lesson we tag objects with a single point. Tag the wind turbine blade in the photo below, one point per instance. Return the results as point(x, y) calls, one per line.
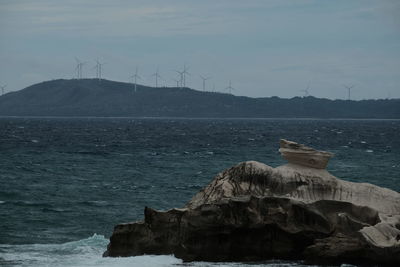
point(348, 86)
point(179, 72)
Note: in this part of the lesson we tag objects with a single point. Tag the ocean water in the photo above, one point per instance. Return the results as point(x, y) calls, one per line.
point(65, 182)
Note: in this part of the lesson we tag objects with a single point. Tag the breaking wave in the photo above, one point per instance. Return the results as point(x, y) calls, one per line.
point(85, 252)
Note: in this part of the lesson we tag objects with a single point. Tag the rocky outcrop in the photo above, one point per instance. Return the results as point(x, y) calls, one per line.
point(255, 212)
point(302, 155)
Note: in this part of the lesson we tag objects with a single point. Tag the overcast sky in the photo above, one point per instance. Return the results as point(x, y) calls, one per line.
point(266, 48)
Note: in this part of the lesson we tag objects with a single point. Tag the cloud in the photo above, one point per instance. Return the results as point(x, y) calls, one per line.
point(112, 20)
point(141, 18)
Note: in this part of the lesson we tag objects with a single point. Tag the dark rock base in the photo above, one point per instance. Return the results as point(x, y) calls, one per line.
point(253, 229)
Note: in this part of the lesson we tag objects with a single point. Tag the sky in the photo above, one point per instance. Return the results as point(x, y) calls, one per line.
point(264, 47)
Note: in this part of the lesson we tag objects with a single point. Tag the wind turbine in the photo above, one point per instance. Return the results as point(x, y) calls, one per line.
point(157, 75)
point(184, 72)
point(2, 88)
point(306, 93)
point(230, 88)
point(177, 82)
point(98, 69)
point(204, 81)
point(181, 74)
point(348, 90)
point(135, 77)
point(78, 68)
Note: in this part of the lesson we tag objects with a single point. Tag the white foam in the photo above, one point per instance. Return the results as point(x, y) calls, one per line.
point(82, 253)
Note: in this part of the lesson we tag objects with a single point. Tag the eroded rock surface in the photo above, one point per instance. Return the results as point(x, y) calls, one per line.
point(255, 212)
point(303, 155)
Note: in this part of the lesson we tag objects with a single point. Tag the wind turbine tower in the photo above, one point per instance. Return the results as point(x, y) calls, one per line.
point(135, 77)
point(98, 68)
point(157, 75)
point(306, 92)
point(204, 81)
point(181, 74)
point(2, 88)
point(230, 88)
point(184, 72)
point(177, 82)
point(78, 68)
point(348, 90)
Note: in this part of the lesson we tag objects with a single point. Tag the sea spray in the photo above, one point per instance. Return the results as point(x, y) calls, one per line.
point(85, 252)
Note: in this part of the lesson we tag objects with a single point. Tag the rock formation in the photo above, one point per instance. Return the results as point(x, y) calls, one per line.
point(255, 212)
point(302, 155)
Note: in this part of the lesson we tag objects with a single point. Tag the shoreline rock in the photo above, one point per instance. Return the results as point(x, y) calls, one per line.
point(254, 212)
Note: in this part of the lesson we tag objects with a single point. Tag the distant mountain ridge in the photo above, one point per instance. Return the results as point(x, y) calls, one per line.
point(105, 98)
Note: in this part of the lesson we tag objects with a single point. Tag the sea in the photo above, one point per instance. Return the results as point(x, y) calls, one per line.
point(65, 182)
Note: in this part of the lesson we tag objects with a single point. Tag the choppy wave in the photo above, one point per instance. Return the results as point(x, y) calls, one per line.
point(85, 252)
point(107, 170)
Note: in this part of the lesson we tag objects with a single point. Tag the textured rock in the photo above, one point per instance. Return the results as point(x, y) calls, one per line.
point(295, 182)
point(255, 212)
point(302, 155)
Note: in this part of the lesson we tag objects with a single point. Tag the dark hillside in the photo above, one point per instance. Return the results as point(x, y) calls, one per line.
point(90, 97)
